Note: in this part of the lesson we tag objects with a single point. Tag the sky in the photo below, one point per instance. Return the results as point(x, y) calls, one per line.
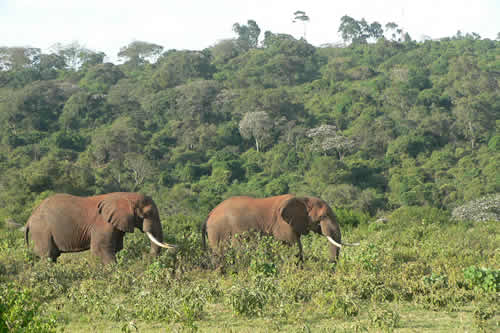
point(108, 25)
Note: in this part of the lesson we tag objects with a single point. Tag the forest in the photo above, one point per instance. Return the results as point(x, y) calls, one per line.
point(381, 127)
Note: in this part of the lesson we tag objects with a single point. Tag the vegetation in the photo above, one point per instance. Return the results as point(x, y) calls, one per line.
point(383, 127)
point(407, 272)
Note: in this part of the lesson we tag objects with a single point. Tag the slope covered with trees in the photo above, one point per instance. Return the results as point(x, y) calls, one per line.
point(368, 126)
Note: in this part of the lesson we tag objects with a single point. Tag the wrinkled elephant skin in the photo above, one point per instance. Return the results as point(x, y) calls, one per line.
point(66, 223)
point(286, 217)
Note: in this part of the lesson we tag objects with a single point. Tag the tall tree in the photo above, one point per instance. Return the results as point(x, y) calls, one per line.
point(76, 55)
point(138, 53)
point(248, 35)
point(256, 125)
point(300, 16)
point(326, 138)
point(358, 32)
point(17, 58)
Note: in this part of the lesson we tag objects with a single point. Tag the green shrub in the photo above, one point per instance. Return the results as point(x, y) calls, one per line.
point(482, 278)
point(20, 312)
point(436, 281)
point(385, 319)
point(349, 217)
point(344, 306)
point(415, 214)
point(245, 301)
point(481, 314)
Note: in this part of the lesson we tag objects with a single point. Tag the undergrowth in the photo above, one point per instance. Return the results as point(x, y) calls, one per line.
point(422, 263)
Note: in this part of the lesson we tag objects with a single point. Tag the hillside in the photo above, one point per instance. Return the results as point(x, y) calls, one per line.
point(396, 128)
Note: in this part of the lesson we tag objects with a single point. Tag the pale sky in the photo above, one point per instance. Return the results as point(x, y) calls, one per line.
point(108, 25)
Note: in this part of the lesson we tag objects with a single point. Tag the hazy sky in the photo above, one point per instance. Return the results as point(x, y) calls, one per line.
point(107, 25)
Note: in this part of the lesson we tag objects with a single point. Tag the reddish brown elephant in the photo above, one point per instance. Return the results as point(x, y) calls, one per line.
point(66, 223)
point(286, 217)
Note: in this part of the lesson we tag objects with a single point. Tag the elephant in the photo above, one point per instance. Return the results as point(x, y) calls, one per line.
point(65, 223)
point(285, 217)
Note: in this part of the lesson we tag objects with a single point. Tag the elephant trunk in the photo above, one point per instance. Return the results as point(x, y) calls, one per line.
point(331, 230)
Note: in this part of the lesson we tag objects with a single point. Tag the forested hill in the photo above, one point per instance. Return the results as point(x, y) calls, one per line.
point(365, 126)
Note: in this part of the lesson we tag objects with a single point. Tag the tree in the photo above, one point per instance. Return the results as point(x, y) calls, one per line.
point(194, 100)
point(35, 107)
point(224, 51)
point(326, 139)
point(257, 125)
point(101, 77)
point(76, 55)
point(474, 95)
point(49, 65)
point(302, 17)
point(140, 168)
point(83, 109)
point(178, 67)
point(358, 32)
point(248, 35)
point(138, 53)
point(396, 33)
point(17, 58)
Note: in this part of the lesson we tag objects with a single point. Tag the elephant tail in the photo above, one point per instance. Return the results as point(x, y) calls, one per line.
point(26, 232)
point(204, 234)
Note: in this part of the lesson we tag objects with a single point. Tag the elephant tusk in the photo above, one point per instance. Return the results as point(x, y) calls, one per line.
point(330, 239)
point(155, 241)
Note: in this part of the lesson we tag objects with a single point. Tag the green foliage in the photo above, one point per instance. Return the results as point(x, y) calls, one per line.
point(398, 271)
point(481, 314)
point(99, 78)
point(20, 312)
point(348, 217)
point(418, 132)
point(482, 278)
point(385, 319)
point(246, 302)
point(344, 307)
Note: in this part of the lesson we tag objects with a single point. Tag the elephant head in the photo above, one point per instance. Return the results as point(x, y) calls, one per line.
point(126, 211)
point(307, 214)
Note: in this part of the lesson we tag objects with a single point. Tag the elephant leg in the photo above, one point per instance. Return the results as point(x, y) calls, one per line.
point(101, 245)
point(45, 247)
point(118, 240)
point(300, 255)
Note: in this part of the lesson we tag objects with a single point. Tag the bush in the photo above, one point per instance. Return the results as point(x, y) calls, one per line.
point(348, 217)
point(412, 214)
point(246, 301)
point(481, 314)
point(482, 278)
point(344, 306)
point(19, 312)
point(385, 319)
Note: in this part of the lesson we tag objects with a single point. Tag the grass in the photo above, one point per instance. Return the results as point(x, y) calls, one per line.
point(407, 276)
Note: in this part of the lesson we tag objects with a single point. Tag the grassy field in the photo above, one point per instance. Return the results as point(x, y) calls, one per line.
point(417, 272)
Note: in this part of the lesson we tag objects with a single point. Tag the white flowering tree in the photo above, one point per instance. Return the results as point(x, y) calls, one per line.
point(326, 138)
point(257, 125)
point(486, 208)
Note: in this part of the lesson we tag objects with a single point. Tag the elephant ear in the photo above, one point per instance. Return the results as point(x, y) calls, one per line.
point(294, 212)
point(119, 212)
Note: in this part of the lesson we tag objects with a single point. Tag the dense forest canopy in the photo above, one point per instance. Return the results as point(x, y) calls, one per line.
point(372, 125)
